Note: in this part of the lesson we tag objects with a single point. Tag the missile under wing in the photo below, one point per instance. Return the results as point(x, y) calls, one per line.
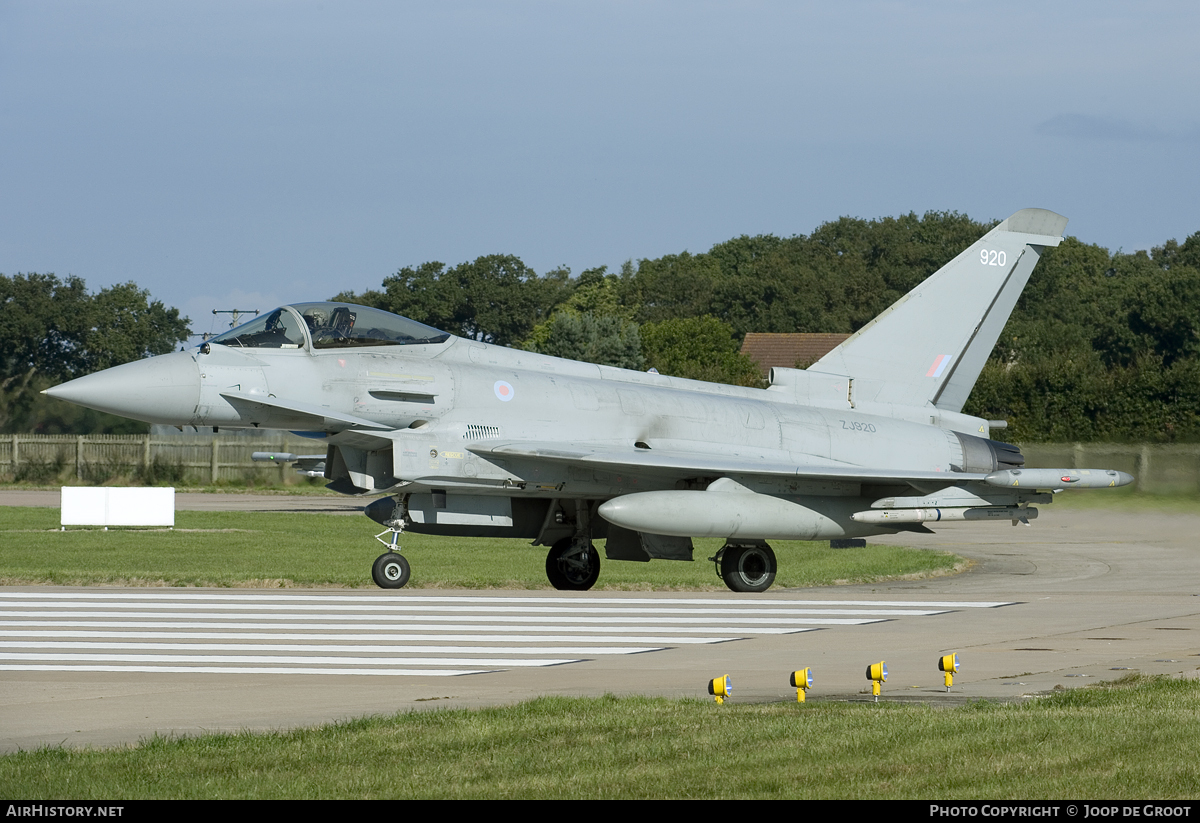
point(457, 437)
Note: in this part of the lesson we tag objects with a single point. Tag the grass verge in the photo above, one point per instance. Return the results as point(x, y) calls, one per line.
point(282, 549)
point(312, 487)
point(1133, 739)
point(1128, 499)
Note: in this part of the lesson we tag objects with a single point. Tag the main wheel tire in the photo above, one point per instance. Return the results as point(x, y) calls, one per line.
point(391, 571)
point(567, 571)
point(748, 568)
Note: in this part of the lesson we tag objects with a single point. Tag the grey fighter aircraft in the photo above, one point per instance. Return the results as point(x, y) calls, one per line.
point(460, 438)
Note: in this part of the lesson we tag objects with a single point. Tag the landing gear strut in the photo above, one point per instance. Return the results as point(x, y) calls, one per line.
point(746, 567)
point(391, 570)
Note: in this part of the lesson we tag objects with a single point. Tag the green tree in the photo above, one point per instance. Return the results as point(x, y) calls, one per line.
point(699, 348)
point(607, 341)
point(52, 330)
point(43, 325)
point(494, 299)
point(1172, 253)
point(837, 279)
point(126, 325)
point(674, 286)
point(596, 324)
point(600, 293)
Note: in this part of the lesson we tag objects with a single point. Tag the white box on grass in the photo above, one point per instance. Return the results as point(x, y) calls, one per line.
point(85, 506)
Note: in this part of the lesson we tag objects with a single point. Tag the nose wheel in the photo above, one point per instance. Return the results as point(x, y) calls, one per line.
point(391, 571)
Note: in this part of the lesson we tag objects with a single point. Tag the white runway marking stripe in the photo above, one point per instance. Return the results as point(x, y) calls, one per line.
point(494, 662)
point(37, 667)
point(389, 633)
point(609, 619)
point(320, 647)
point(377, 637)
point(309, 608)
point(627, 631)
point(591, 600)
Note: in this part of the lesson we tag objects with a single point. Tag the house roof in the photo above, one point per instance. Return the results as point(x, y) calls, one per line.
point(800, 349)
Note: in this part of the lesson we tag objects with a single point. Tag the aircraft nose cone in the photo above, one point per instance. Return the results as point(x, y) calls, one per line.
point(163, 389)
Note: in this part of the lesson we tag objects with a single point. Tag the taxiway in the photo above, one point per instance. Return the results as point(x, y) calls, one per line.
point(1081, 596)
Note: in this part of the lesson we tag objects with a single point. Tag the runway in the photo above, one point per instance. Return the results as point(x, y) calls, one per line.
point(1079, 597)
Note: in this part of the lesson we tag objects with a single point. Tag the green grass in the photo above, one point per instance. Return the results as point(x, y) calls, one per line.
point(1134, 739)
point(252, 485)
point(1128, 499)
point(301, 549)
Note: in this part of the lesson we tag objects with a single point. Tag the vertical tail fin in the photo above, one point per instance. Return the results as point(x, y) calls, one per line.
point(928, 347)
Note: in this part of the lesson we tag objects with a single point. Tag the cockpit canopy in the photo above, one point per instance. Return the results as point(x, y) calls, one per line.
point(329, 326)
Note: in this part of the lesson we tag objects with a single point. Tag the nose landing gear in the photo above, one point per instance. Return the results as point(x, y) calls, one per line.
point(391, 569)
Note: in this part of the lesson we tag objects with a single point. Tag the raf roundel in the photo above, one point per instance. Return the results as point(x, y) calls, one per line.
point(504, 390)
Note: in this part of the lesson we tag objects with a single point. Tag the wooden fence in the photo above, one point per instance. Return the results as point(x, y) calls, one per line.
point(1158, 469)
point(181, 458)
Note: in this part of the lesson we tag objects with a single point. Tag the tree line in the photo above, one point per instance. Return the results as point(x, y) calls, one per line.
point(52, 329)
point(1102, 345)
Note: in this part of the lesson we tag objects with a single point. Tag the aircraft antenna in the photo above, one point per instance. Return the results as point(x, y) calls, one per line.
point(237, 315)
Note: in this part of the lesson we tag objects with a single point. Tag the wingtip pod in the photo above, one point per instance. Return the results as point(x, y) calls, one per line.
point(1058, 478)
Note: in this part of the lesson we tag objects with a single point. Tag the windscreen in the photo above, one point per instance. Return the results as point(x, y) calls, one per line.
point(342, 325)
point(278, 329)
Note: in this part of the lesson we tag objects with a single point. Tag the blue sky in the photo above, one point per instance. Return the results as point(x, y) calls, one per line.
point(245, 154)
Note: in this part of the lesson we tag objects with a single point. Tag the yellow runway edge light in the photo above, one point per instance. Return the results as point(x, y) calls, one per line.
point(801, 681)
point(720, 687)
point(877, 673)
point(949, 664)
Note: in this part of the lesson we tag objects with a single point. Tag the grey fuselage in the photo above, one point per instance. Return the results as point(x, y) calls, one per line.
point(474, 439)
point(434, 403)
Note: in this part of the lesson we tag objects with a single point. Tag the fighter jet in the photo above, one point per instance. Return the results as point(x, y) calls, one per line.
point(460, 438)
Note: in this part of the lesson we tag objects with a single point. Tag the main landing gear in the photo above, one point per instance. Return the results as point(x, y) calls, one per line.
point(746, 567)
point(572, 565)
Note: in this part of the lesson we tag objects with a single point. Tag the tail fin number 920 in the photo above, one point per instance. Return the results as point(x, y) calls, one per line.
point(991, 257)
